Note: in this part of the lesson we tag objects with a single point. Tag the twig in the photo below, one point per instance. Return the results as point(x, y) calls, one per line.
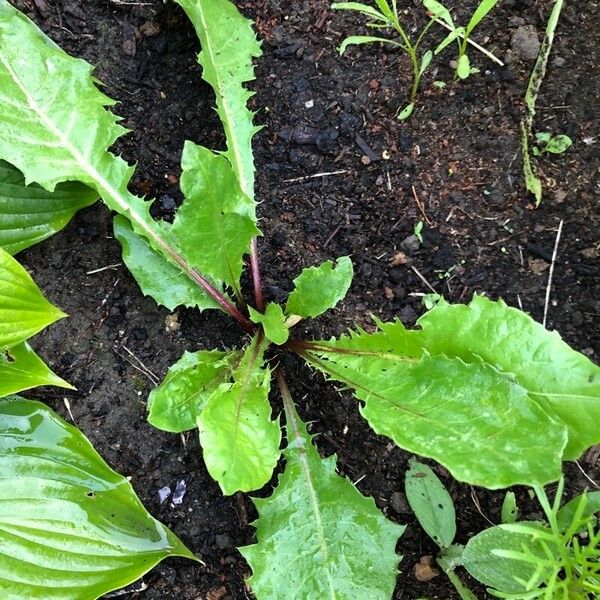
point(421, 207)
point(587, 476)
point(140, 366)
point(295, 179)
point(422, 278)
point(470, 41)
point(551, 273)
point(103, 269)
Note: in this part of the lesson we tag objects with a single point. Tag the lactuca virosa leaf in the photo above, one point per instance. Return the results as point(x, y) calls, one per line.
point(176, 403)
point(240, 442)
point(23, 309)
point(482, 388)
point(71, 528)
point(56, 128)
point(22, 369)
point(228, 47)
point(318, 289)
point(318, 537)
point(273, 322)
point(31, 214)
point(431, 503)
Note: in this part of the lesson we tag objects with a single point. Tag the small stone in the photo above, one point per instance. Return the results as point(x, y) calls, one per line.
point(399, 503)
point(525, 42)
point(304, 135)
point(410, 244)
point(559, 61)
point(172, 323)
point(408, 315)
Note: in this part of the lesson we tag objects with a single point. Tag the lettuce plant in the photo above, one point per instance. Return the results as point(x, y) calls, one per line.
point(481, 388)
point(70, 526)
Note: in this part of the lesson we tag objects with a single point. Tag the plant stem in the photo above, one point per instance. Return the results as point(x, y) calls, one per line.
point(256, 278)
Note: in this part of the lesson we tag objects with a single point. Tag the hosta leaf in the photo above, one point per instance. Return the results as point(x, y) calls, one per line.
point(228, 46)
point(477, 422)
point(318, 537)
point(176, 403)
point(70, 527)
point(565, 382)
point(158, 278)
point(22, 369)
point(483, 558)
point(239, 440)
point(30, 214)
point(431, 503)
point(23, 309)
point(273, 321)
point(317, 289)
point(214, 225)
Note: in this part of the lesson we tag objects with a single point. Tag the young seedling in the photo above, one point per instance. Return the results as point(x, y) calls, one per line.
point(481, 388)
point(386, 17)
point(549, 144)
point(460, 34)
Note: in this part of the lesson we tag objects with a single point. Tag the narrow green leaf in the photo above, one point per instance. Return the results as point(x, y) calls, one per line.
point(532, 182)
point(214, 225)
point(176, 403)
point(359, 7)
point(463, 69)
point(22, 369)
point(481, 559)
point(318, 289)
point(480, 12)
point(30, 214)
point(167, 284)
point(385, 8)
point(440, 11)
point(510, 511)
point(359, 40)
point(228, 47)
point(453, 35)
point(425, 61)
point(240, 442)
point(71, 527)
point(23, 309)
point(318, 537)
point(431, 503)
point(273, 322)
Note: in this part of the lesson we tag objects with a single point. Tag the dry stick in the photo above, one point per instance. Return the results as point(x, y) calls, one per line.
point(551, 273)
point(470, 41)
point(422, 278)
point(295, 179)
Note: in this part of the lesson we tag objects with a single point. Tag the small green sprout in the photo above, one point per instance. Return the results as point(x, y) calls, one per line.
point(549, 144)
point(418, 231)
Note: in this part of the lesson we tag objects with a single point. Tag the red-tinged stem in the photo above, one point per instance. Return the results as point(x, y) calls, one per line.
point(220, 298)
point(256, 278)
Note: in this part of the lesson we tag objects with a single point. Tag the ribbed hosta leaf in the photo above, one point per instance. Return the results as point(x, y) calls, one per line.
point(23, 309)
point(318, 289)
point(22, 369)
point(228, 46)
point(176, 403)
point(70, 527)
point(30, 214)
point(318, 537)
point(240, 442)
point(481, 388)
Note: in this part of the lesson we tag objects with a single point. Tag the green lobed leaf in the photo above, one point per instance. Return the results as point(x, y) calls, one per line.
point(318, 289)
point(318, 537)
point(23, 309)
point(58, 129)
point(431, 503)
point(70, 527)
point(30, 214)
point(273, 322)
point(167, 284)
point(240, 442)
point(176, 403)
point(229, 45)
point(215, 225)
point(481, 559)
point(514, 381)
point(22, 369)
point(563, 381)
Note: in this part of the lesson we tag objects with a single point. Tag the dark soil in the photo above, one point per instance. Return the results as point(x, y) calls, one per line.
point(454, 165)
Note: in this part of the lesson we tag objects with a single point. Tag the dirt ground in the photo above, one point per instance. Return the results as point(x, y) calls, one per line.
point(454, 166)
